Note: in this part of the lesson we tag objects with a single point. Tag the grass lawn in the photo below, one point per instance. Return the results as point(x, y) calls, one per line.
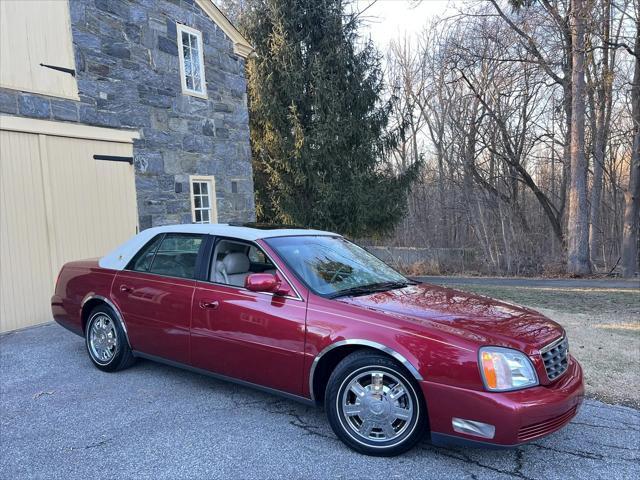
point(569, 300)
point(603, 326)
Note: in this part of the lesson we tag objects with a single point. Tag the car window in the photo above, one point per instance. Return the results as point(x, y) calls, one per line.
point(331, 264)
point(233, 261)
point(258, 256)
point(142, 261)
point(176, 256)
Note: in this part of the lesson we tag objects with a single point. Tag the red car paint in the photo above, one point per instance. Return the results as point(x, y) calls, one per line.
point(272, 340)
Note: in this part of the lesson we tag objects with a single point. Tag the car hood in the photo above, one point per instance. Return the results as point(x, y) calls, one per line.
point(477, 318)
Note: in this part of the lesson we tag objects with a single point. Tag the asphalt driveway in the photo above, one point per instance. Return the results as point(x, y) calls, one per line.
point(62, 418)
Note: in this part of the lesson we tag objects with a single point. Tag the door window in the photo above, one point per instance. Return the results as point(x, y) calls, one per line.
point(233, 261)
point(173, 255)
point(142, 261)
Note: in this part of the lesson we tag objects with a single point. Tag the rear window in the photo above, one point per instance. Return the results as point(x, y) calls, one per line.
point(172, 255)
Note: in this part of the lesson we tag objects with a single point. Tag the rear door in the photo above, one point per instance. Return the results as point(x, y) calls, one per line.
point(154, 294)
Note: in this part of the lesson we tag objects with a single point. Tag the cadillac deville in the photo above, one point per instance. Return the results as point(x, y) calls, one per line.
point(309, 315)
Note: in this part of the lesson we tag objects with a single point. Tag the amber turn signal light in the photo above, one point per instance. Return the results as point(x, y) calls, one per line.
point(489, 370)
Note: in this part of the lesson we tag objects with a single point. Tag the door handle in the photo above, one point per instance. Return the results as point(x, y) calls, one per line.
point(213, 304)
point(126, 289)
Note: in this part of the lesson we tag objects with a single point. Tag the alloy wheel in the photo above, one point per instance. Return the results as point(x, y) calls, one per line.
point(376, 406)
point(103, 339)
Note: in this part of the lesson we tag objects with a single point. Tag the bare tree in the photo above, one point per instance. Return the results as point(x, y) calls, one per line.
point(632, 194)
point(578, 260)
point(504, 124)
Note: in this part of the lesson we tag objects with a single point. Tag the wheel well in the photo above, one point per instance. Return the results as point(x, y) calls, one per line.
point(87, 308)
point(330, 361)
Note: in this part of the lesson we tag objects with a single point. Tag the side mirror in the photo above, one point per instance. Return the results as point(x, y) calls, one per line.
point(266, 282)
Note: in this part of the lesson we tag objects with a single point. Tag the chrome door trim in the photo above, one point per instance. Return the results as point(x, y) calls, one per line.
point(365, 343)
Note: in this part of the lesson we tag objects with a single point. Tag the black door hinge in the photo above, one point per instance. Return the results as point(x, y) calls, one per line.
point(113, 158)
point(70, 71)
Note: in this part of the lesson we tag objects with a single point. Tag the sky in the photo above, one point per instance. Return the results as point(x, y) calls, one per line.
point(386, 20)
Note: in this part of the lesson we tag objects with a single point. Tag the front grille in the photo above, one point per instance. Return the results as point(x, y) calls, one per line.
point(556, 358)
point(543, 428)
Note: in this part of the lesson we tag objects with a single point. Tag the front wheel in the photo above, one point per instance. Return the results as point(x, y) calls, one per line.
point(374, 406)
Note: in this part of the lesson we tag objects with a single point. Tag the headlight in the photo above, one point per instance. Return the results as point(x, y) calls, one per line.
point(504, 369)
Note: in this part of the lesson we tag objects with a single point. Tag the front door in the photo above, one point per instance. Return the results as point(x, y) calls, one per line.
point(154, 295)
point(256, 337)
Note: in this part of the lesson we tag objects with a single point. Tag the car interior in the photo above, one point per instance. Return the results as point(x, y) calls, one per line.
point(234, 261)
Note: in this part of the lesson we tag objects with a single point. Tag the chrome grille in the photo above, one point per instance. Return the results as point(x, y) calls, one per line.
point(556, 357)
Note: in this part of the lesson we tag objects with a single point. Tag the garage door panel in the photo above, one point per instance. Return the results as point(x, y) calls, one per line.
point(25, 269)
point(58, 204)
point(93, 194)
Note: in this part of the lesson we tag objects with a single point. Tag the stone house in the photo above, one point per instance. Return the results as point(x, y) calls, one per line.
point(115, 116)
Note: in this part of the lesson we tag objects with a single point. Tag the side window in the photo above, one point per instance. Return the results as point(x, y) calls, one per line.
point(176, 256)
point(233, 261)
point(142, 261)
point(257, 256)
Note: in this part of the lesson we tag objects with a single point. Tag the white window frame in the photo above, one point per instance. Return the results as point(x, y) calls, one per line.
point(213, 210)
point(183, 79)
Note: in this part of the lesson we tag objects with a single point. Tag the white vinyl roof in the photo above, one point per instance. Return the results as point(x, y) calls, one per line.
point(118, 258)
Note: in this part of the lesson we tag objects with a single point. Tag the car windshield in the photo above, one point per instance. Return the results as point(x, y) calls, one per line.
point(333, 266)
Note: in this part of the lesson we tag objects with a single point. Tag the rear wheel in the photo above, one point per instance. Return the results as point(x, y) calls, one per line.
point(106, 341)
point(374, 406)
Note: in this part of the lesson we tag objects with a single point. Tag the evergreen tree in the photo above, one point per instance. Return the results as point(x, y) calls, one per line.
point(318, 125)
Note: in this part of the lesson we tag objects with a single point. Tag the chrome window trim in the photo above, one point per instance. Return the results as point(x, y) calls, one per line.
point(113, 307)
point(365, 343)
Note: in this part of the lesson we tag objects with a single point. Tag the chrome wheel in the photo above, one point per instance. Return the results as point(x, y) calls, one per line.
point(103, 339)
point(376, 406)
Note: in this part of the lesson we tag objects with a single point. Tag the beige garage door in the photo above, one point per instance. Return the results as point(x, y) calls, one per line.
point(57, 203)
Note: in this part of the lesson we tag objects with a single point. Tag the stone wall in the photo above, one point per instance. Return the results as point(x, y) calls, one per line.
point(129, 77)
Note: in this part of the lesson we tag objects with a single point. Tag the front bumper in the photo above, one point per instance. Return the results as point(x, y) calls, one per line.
point(519, 417)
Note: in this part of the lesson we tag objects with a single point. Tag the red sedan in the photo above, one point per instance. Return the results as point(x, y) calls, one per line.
point(309, 315)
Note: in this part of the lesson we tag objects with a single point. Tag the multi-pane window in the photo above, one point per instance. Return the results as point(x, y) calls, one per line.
point(203, 198)
point(191, 61)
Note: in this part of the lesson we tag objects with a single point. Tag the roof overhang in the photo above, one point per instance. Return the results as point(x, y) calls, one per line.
point(241, 46)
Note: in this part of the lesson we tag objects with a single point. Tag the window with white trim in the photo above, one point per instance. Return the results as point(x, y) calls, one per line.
point(191, 61)
point(203, 200)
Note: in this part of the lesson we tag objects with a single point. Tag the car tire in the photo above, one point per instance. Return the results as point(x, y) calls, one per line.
point(374, 405)
point(106, 341)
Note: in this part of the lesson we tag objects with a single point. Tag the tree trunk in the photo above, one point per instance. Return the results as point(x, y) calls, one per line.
point(601, 133)
point(632, 194)
point(578, 225)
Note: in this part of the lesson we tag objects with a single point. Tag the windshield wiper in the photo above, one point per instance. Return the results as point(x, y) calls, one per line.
point(371, 288)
